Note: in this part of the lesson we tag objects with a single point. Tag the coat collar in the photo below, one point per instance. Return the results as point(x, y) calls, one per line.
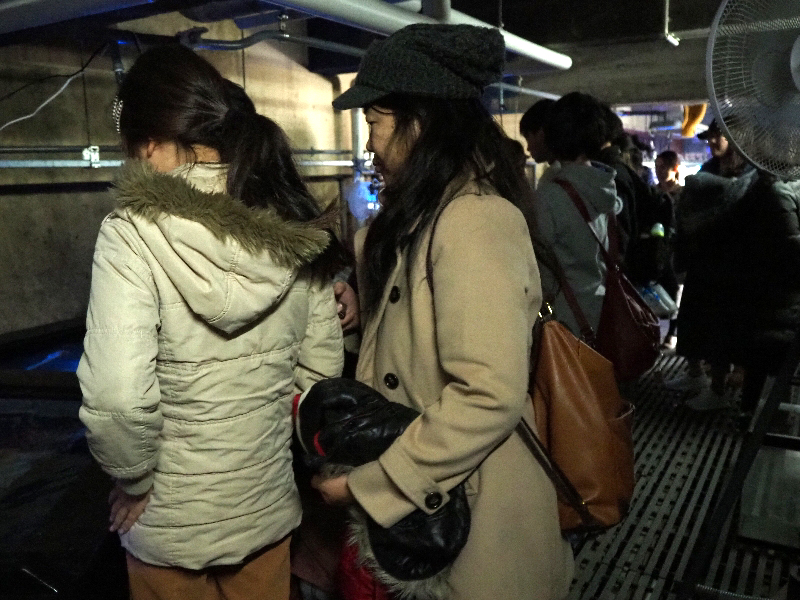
point(186, 193)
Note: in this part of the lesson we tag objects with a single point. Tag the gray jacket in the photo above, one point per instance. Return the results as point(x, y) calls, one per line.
point(562, 229)
point(201, 328)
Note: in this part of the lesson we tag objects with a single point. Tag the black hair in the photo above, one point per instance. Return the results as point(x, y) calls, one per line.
point(453, 138)
point(172, 94)
point(535, 117)
point(517, 152)
point(670, 159)
point(577, 125)
point(615, 131)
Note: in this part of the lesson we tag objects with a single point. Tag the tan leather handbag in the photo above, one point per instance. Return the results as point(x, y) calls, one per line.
point(586, 445)
point(585, 439)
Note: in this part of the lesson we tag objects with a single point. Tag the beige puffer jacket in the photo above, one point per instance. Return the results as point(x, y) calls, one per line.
point(201, 328)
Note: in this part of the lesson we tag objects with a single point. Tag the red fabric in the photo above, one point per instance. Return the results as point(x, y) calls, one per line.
point(295, 406)
point(317, 446)
point(356, 582)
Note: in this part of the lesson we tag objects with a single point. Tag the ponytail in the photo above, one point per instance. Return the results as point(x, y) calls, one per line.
point(262, 173)
point(173, 94)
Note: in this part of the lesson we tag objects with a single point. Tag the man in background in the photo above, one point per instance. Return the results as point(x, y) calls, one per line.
point(531, 127)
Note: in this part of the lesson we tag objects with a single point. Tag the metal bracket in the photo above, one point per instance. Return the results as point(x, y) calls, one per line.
point(92, 154)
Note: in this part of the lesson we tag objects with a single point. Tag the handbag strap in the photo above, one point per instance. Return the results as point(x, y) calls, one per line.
point(429, 252)
point(564, 488)
point(612, 261)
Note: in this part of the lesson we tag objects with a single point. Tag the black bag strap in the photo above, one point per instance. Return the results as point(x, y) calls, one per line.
point(561, 482)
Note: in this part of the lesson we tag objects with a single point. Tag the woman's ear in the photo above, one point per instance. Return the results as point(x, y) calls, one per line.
point(150, 148)
point(145, 150)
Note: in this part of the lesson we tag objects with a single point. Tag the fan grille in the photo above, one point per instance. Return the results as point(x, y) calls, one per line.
point(750, 81)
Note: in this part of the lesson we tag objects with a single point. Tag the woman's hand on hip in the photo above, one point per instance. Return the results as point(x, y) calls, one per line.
point(334, 491)
point(125, 508)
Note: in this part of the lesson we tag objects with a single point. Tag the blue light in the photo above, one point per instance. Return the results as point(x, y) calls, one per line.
point(49, 358)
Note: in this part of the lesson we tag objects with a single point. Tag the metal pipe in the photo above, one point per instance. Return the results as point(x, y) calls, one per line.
point(518, 45)
point(670, 37)
point(325, 163)
point(269, 34)
point(357, 132)
point(521, 90)
point(67, 149)
point(438, 9)
point(51, 149)
point(380, 17)
point(313, 151)
point(62, 164)
point(57, 164)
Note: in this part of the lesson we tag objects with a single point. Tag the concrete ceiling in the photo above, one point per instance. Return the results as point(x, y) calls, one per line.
point(618, 47)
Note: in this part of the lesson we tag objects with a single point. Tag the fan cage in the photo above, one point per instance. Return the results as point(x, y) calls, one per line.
point(753, 95)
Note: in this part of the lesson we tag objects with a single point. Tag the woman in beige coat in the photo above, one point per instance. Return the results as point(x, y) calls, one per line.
point(211, 307)
point(450, 291)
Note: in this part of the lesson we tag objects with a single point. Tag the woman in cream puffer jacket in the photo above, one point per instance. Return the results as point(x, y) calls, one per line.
point(194, 349)
point(211, 307)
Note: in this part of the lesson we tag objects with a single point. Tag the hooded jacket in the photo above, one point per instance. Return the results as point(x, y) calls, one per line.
point(201, 328)
point(562, 229)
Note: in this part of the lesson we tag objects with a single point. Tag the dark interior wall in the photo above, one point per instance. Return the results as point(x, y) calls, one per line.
point(46, 251)
point(49, 217)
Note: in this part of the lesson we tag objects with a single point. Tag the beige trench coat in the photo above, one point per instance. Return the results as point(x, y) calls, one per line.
point(461, 358)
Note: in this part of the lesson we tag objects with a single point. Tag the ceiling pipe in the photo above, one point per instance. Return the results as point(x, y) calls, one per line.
point(200, 43)
point(668, 35)
point(438, 9)
point(384, 18)
point(521, 90)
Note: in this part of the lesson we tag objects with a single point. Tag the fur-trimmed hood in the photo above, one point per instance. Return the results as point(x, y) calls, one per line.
point(231, 263)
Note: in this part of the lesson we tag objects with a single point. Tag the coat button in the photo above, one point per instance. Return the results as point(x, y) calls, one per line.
point(433, 500)
point(391, 381)
point(394, 294)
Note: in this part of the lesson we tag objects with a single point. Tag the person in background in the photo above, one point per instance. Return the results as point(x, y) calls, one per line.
point(516, 150)
point(531, 127)
point(576, 129)
point(641, 151)
point(738, 236)
point(449, 247)
point(667, 165)
point(211, 307)
point(630, 187)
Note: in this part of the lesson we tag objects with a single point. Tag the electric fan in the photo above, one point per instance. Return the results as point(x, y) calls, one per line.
point(753, 78)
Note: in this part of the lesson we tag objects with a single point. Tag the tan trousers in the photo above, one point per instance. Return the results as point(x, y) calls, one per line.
point(263, 576)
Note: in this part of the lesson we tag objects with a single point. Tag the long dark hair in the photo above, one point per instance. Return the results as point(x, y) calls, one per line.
point(454, 138)
point(172, 94)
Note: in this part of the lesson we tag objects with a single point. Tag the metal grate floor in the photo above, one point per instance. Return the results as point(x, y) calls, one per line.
point(681, 460)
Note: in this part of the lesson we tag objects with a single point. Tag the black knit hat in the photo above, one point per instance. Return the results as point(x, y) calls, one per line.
point(439, 61)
